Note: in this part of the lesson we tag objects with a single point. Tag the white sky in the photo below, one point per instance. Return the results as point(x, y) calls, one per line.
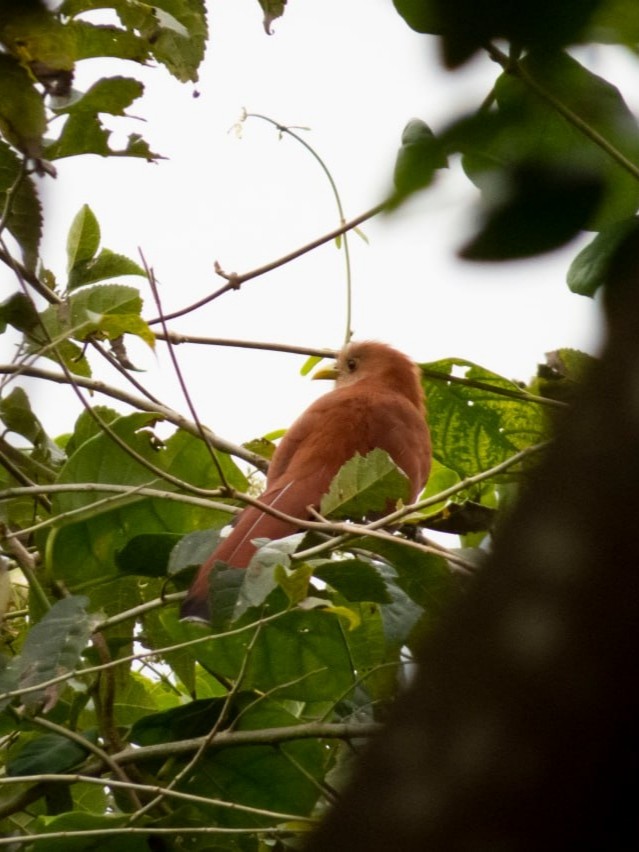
point(355, 74)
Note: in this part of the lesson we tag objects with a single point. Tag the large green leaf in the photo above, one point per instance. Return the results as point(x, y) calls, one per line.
point(589, 270)
point(52, 647)
point(301, 655)
point(468, 25)
point(24, 213)
point(48, 753)
point(418, 158)
point(472, 428)
point(365, 485)
point(179, 41)
point(616, 22)
point(354, 579)
point(107, 264)
point(83, 239)
point(65, 826)
point(39, 40)
point(527, 129)
point(22, 117)
point(83, 131)
point(84, 264)
point(537, 209)
point(424, 577)
point(17, 416)
point(283, 779)
point(105, 311)
point(81, 550)
point(99, 41)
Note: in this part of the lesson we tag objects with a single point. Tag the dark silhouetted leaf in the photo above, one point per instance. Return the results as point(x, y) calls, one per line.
point(588, 271)
point(540, 209)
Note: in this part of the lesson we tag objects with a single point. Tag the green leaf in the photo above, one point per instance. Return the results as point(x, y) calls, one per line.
point(526, 130)
point(110, 95)
point(403, 616)
point(261, 576)
point(175, 31)
point(192, 549)
point(24, 213)
point(107, 264)
point(534, 210)
point(473, 429)
point(81, 550)
point(282, 779)
point(47, 753)
point(40, 41)
point(19, 311)
point(100, 41)
point(563, 374)
point(86, 427)
point(468, 25)
point(419, 157)
point(354, 579)
point(52, 647)
point(440, 479)
point(84, 237)
point(272, 9)
point(66, 827)
point(364, 485)
point(140, 695)
point(22, 116)
point(147, 555)
point(302, 654)
point(107, 311)
point(589, 270)
point(616, 22)
point(83, 131)
point(17, 416)
point(425, 578)
point(371, 651)
point(194, 719)
point(295, 583)
point(421, 15)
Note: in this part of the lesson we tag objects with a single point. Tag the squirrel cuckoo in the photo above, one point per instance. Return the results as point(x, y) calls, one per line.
point(377, 401)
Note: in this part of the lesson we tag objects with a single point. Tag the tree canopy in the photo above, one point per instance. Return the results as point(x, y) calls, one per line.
point(122, 725)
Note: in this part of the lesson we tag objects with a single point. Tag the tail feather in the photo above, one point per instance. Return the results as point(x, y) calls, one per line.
point(237, 549)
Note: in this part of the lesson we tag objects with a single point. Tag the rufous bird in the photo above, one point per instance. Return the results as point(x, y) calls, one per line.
point(377, 402)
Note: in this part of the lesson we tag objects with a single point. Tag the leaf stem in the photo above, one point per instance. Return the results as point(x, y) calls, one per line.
point(349, 282)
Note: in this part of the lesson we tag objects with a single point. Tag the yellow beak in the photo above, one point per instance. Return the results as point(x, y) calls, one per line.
point(325, 373)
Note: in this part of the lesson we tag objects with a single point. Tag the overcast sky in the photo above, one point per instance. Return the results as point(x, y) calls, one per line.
point(354, 74)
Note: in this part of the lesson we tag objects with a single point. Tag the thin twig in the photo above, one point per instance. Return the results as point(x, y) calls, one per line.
point(87, 745)
point(210, 737)
point(81, 778)
point(140, 655)
point(235, 281)
point(178, 373)
point(163, 411)
point(123, 495)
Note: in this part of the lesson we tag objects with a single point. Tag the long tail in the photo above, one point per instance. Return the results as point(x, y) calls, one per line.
point(237, 548)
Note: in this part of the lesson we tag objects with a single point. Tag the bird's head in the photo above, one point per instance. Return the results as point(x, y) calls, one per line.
point(377, 363)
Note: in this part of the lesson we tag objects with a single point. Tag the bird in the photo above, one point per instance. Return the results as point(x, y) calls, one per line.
point(377, 402)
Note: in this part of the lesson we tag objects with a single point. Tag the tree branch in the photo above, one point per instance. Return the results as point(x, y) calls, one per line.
point(235, 280)
point(141, 404)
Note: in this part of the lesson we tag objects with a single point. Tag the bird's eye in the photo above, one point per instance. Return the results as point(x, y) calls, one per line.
point(351, 365)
